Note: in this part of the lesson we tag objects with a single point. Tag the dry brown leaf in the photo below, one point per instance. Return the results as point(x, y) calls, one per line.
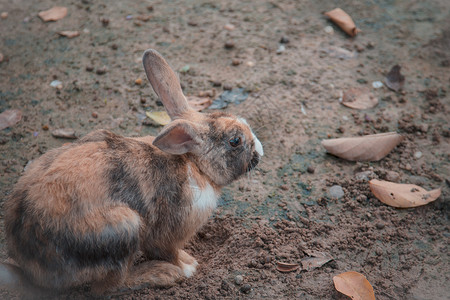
point(160, 117)
point(69, 34)
point(199, 103)
point(359, 98)
point(311, 263)
point(286, 267)
point(394, 79)
point(65, 133)
point(53, 14)
point(343, 20)
point(354, 285)
point(9, 118)
point(402, 195)
point(365, 148)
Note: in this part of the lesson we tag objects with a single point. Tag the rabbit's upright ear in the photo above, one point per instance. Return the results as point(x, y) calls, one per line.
point(165, 83)
point(179, 137)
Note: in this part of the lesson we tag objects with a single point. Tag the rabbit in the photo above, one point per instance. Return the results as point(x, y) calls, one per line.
point(83, 213)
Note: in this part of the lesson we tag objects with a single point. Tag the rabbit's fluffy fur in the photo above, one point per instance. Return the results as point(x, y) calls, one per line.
point(82, 213)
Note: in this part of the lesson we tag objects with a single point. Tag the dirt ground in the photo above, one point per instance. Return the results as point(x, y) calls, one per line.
point(283, 210)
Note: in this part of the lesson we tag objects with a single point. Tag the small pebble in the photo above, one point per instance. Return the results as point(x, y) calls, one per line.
point(418, 154)
point(143, 100)
point(105, 21)
point(150, 8)
point(229, 27)
point(227, 87)
point(311, 169)
point(392, 176)
point(284, 40)
point(365, 176)
point(94, 115)
point(235, 62)
point(129, 17)
point(56, 84)
point(246, 288)
point(4, 15)
point(64, 133)
point(329, 30)
point(284, 187)
point(336, 191)
point(370, 45)
point(138, 81)
point(229, 45)
point(377, 84)
point(114, 46)
point(250, 64)
point(239, 279)
point(281, 49)
point(101, 71)
point(45, 127)
point(89, 68)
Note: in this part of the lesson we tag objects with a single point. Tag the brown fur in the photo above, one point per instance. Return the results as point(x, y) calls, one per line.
point(83, 212)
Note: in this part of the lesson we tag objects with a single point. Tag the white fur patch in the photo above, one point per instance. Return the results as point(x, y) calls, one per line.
point(258, 145)
point(189, 270)
point(204, 199)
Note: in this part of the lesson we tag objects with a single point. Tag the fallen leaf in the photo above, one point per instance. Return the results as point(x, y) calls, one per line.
point(316, 260)
point(365, 148)
point(160, 117)
point(285, 267)
point(9, 118)
point(402, 195)
point(69, 34)
point(65, 133)
point(359, 98)
point(343, 20)
point(53, 14)
point(199, 103)
point(354, 285)
point(394, 79)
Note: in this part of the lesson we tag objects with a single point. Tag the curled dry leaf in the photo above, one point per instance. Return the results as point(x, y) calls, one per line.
point(343, 20)
point(160, 117)
point(9, 118)
point(365, 148)
point(354, 285)
point(402, 195)
point(394, 79)
point(65, 133)
point(69, 34)
point(53, 14)
point(359, 98)
point(317, 260)
point(286, 267)
point(199, 103)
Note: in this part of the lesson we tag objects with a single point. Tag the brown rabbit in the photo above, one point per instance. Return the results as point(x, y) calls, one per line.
point(83, 212)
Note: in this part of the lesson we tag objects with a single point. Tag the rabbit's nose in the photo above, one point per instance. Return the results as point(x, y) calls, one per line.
point(254, 161)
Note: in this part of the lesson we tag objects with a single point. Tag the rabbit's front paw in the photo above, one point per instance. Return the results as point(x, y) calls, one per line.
point(188, 263)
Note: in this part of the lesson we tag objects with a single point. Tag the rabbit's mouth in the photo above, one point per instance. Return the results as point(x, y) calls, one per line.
point(254, 161)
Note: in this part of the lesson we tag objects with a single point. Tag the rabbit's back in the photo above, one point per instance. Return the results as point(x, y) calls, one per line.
point(86, 206)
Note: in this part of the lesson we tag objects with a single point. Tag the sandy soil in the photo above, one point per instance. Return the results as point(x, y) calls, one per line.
point(283, 210)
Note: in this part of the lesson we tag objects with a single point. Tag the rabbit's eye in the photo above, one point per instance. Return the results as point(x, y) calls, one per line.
point(234, 142)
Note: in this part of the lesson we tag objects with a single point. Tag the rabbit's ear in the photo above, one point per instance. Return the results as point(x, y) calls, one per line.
point(178, 137)
point(165, 83)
